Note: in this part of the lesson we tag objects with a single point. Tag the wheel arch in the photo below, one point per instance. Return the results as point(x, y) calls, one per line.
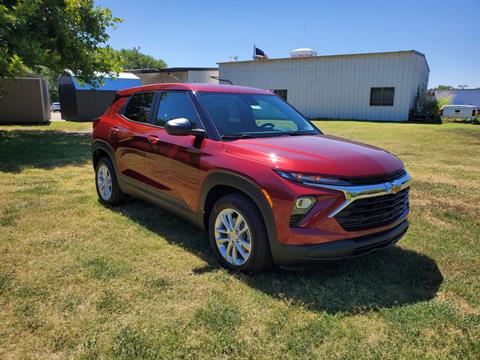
point(101, 148)
point(220, 183)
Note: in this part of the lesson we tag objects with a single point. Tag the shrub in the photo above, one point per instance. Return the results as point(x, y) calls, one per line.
point(427, 106)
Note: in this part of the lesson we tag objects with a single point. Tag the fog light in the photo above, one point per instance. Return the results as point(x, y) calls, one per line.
point(304, 202)
point(300, 208)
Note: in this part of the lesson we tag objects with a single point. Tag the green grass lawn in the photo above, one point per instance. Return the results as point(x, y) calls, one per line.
point(78, 280)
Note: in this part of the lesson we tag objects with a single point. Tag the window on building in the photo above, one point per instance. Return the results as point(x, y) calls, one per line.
point(382, 96)
point(139, 107)
point(174, 105)
point(282, 93)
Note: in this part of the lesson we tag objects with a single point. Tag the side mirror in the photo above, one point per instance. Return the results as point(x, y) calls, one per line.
point(182, 127)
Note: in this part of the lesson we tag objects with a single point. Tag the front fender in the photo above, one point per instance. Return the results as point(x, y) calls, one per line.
point(252, 190)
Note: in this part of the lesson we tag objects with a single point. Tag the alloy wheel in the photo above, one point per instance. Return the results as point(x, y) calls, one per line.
point(233, 237)
point(104, 182)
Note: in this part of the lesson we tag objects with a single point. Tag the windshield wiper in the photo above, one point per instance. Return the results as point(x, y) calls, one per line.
point(238, 136)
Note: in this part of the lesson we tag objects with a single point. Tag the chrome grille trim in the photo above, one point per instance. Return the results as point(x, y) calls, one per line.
point(357, 192)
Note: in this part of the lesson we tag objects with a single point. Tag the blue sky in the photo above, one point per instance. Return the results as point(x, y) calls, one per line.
point(202, 33)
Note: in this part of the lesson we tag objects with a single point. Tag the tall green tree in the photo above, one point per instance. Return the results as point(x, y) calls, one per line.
point(134, 59)
point(57, 34)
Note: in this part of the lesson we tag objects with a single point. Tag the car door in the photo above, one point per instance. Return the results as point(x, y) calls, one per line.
point(129, 137)
point(171, 162)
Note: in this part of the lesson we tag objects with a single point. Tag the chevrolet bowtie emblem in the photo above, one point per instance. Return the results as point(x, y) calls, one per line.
point(392, 188)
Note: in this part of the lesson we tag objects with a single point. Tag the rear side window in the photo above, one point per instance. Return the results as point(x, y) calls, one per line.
point(139, 107)
point(174, 105)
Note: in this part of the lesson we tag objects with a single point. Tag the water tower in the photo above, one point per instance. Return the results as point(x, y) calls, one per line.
point(303, 53)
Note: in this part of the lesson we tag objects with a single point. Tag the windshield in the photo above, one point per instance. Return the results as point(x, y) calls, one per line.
point(254, 115)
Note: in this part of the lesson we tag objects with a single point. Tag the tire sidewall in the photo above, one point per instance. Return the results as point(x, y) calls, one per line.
point(114, 196)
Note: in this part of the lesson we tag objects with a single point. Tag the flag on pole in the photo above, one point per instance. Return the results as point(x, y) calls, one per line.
point(258, 53)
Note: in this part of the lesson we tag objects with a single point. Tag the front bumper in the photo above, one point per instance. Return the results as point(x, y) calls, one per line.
point(321, 224)
point(337, 250)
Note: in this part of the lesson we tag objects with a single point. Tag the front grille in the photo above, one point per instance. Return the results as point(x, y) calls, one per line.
point(378, 179)
point(295, 219)
point(373, 212)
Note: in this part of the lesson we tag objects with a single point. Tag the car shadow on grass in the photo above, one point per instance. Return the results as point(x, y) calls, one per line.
point(42, 149)
point(388, 278)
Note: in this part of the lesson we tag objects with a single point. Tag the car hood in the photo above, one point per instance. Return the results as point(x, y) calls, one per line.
point(319, 154)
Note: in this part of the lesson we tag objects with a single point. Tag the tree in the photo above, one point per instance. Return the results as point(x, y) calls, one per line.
point(52, 81)
point(428, 104)
point(444, 87)
point(134, 59)
point(58, 35)
point(462, 86)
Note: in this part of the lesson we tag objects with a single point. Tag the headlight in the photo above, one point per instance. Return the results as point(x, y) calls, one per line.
point(309, 178)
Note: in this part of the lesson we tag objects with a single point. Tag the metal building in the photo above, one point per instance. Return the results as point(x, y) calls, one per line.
point(24, 100)
point(177, 74)
point(83, 102)
point(373, 86)
point(461, 96)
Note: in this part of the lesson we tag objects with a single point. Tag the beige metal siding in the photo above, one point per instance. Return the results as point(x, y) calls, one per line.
point(24, 100)
point(202, 76)
point(162, 77)
point(335, 87)
point(419, 81)
point(191, 76)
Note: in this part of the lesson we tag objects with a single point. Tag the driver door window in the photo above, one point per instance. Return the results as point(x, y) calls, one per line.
point(173, 105)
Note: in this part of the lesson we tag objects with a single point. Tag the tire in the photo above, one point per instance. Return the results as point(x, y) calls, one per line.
point(114, 196)
point(251, 231)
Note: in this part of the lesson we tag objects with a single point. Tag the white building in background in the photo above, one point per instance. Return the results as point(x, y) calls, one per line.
point(177, 74)
point(374, 86)
point(461, 96)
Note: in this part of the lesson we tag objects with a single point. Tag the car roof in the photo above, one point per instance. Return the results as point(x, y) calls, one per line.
point(195, 87)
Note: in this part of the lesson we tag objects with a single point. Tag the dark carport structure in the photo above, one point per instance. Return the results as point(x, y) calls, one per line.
point(83, 102)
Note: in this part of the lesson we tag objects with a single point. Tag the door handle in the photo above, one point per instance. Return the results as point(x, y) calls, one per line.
point(152, 139)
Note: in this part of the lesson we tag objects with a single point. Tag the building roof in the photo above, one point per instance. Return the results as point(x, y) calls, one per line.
point(405, 52)
point(122, 81)
point(173, 69)
point(195, 87)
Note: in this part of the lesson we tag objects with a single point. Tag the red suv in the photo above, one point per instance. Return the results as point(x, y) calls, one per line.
point(245, 165)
